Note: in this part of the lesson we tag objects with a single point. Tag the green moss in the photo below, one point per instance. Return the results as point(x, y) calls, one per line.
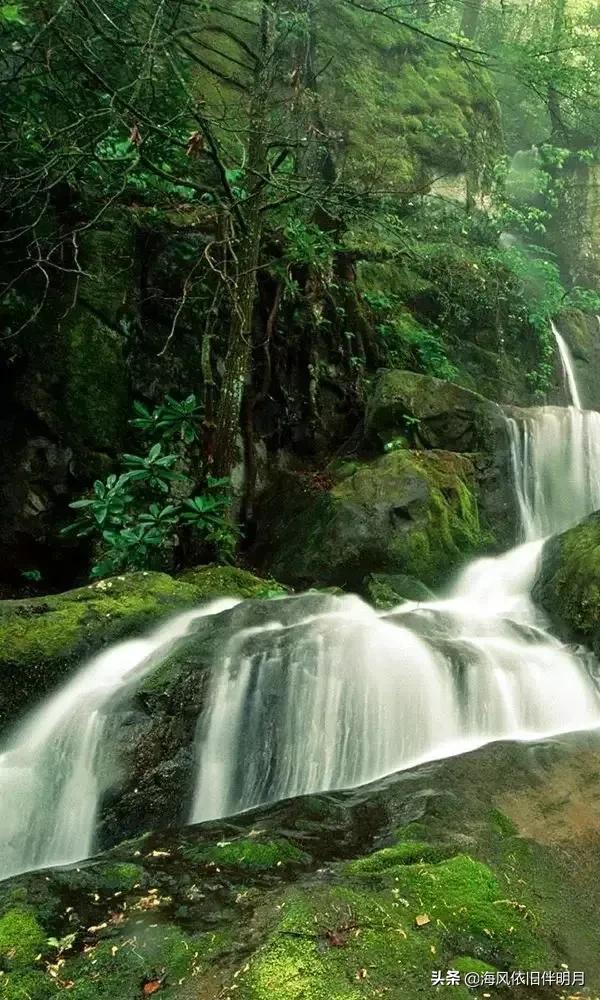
point(120, 877)
point(407, 512)
point(404, 106)
point(229, 581)
point(323, 939)
point(465, 963)
point(569, 583)
point(382, 595)
point(97, 397)
point(35, 630)
point(407, 853)
point(452, 531)
point(26, 985)
point(290, 968)
point(252, 854)
point(503, 824)
point(21, 938)
point(147, 952)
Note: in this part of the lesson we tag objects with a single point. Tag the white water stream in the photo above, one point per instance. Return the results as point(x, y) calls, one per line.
point(568, 367)
point(58, 764)
point(332, 694)
point(345, 698)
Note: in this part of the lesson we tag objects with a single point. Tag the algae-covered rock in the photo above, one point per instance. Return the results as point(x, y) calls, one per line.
point(387, 590)
point(342, 896)
point(436, 414)
point(42, 639)
point(406, 512)
point(229, 581)
point(568, 585)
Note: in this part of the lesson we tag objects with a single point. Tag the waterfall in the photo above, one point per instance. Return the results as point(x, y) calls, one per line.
point(317, 692)
point(342, 698)
point(556, 466)
point(568, 367)
point(56, 767)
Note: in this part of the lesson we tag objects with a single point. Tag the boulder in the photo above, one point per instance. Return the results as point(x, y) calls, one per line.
point(410, 512)
point(434, 413)
point(388, 590)
point(568, 585)
point(481, 863)
point(43, 639)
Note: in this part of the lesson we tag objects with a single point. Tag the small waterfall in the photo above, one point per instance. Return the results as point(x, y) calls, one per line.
point(556, 466)
point(568, 367)
point(342, 698)
point(58, 764)
point(316, 692)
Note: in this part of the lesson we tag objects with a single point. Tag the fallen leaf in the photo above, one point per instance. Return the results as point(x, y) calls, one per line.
point(422, 920)
point(151, 987)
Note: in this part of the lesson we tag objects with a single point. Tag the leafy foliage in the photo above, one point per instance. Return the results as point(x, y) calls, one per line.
point(136, 516)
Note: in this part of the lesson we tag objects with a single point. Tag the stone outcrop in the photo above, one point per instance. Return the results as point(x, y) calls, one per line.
point(411, 512)
point(455, 865)
point(568, 586)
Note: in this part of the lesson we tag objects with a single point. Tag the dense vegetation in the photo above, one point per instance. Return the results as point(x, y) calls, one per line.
point(206, 205)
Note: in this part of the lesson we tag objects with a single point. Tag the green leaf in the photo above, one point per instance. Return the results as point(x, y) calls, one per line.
point(11, 13)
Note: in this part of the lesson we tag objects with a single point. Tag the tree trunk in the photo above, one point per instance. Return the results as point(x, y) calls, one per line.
point(554, 105)
point(247, 253)
point(239, 351)
point(470, 19)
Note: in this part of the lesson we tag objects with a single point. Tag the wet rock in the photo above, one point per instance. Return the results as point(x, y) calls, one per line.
point(484, 862)
point(388, 590)
point(568, 585)
point(43, 639)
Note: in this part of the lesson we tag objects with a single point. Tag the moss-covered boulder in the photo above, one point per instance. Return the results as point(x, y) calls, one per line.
point(42, 639)
point(406, 512)
point(568, 585)
point(387, 590)
point(434, 413)
point(479, 864)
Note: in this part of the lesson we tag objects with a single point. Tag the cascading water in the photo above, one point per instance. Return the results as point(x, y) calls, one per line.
point(568, 367)
point(56, 767)
point(328, 693)
point(343, 698)
point(556, 466)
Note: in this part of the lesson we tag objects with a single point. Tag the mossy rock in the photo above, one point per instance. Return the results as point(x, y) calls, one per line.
point(42, 639)
point(434, 413)
point(568, 585)
point(21, 938)
point(330, 897)
point(254, 854)
point(229, 581)
point(408, 512)
point(388, 590)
